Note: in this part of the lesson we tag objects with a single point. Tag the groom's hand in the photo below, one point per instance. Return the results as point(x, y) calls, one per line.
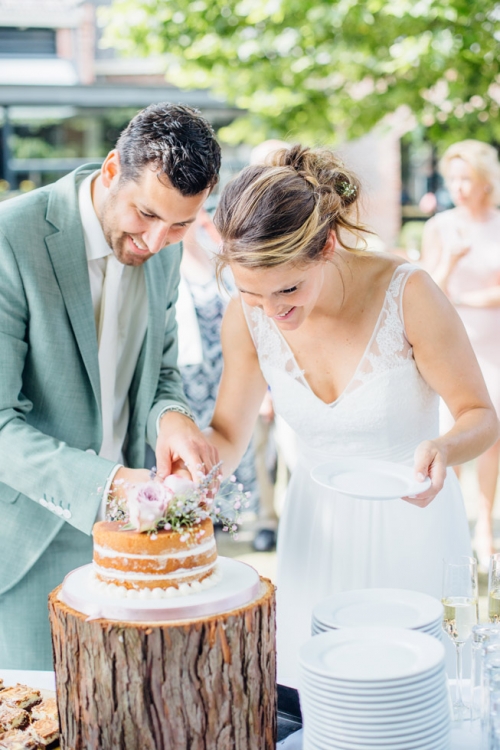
point(181, 445)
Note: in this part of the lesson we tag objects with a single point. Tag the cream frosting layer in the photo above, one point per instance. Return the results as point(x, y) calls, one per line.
point(184, 589)
point(198, 549)
point(114, 574)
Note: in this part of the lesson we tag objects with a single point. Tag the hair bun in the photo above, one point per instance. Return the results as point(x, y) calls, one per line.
point(322, 169)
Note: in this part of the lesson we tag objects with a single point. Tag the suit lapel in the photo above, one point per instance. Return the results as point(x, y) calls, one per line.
point(69, 260)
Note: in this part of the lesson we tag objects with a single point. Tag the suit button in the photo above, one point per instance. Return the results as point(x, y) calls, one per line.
point(58, 510)
point(51, 506)
point(91, 451)
point(66, 513)
point(43, 502)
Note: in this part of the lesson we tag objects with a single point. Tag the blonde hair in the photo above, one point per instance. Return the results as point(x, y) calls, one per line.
point(283, 211)
point(482, 159)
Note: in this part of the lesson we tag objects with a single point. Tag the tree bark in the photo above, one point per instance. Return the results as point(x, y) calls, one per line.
point(205, 684)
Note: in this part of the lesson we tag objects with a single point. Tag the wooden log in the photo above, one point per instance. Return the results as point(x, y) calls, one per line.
point(204, 684)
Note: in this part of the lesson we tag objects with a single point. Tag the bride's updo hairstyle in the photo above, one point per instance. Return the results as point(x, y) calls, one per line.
point(283, 211)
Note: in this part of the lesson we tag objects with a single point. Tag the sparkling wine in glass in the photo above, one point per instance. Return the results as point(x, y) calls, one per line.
point(494, 589)
point(460, 601)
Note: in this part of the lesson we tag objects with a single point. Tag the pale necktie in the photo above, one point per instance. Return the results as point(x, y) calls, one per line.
point(108, 354)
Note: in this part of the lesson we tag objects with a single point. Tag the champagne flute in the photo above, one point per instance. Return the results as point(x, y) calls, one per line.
point(460, 601)
point(494, 589)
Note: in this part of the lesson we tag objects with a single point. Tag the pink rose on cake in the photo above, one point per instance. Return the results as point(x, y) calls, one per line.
point(147, 504)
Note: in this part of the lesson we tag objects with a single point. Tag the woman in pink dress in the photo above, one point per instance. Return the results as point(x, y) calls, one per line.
point(461, 249)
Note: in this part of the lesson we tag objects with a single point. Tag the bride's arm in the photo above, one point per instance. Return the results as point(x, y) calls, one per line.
point(445, 359)
point(241, 391)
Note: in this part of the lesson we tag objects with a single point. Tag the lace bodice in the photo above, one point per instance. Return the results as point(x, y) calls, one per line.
point(386, 409)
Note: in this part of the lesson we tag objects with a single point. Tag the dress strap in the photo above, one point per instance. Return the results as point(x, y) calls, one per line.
point(404, 271)
point(389, 347)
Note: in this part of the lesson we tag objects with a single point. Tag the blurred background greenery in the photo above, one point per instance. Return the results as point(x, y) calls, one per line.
point(388, 83)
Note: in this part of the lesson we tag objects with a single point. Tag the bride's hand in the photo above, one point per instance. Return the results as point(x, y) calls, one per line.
point(430, 461)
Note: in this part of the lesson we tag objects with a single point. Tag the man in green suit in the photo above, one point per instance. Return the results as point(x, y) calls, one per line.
point(89, 268)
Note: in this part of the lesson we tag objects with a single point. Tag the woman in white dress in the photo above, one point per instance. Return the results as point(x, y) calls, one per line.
point(356, 348)
point(461, 250)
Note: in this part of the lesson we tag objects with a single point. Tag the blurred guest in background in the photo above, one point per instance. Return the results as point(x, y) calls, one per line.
point(461, 249)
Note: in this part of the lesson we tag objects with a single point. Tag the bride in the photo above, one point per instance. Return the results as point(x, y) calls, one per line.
point(355, 348)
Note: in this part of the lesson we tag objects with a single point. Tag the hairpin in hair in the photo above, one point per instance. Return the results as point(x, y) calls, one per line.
point(346, 189)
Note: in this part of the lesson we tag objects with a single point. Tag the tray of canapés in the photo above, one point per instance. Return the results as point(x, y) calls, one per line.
point(28, 718)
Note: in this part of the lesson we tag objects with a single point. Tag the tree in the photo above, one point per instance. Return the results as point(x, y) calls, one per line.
point(325, 70)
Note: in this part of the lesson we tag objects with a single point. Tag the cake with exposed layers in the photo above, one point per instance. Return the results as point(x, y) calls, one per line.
point(163, 563)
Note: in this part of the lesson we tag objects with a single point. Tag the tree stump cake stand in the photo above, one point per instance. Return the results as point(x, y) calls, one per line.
point(202, 684)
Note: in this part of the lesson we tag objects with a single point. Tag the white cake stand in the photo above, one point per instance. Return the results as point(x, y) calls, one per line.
point(239, 585)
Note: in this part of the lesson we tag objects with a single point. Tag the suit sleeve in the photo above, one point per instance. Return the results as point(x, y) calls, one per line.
point(169, 389)
point(62, 479)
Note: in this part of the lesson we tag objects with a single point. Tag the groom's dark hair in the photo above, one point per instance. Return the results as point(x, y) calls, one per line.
point(177, 141)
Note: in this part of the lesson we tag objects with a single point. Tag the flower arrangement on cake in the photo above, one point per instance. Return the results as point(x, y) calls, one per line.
point(158, 540)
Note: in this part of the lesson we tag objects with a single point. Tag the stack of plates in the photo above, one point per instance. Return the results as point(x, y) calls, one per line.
point(396, 608)
point(374, 689)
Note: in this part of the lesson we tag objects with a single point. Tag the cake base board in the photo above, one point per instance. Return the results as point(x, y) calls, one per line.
point(239, 585)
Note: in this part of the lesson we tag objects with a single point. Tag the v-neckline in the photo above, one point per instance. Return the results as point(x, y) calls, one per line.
point(344, 392)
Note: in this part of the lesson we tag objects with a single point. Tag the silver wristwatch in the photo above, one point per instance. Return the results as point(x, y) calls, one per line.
point(177, 408)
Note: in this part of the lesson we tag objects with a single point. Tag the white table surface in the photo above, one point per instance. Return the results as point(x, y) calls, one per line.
point(462, 738)
point(31, 677)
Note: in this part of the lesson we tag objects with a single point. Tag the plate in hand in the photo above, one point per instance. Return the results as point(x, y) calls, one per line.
point(369, 479)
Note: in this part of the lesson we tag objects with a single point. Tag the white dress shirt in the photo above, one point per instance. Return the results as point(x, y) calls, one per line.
point(132, 317)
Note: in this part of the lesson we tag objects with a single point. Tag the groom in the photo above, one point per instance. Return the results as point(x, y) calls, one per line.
point(88, 351)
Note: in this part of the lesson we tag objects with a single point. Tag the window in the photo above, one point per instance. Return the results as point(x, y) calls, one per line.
point(27, 42)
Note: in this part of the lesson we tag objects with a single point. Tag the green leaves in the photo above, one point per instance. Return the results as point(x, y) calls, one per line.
point(330, 70)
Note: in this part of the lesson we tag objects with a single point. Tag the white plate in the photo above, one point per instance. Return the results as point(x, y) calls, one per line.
point(434, 734)
point(301, 743)
point(342, 692)
point(396, 608)
point(354, 712)
point(443, 744)
point(406, 735)
point(435, 630)
point(361, 726)
point(370, 687)
point(311, 744)
point(368, 479)
point(374, 692)
point(380, 703)
point(380, 712)
point(371, 655)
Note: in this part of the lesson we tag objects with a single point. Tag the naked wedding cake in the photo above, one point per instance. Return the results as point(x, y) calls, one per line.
point(160, 542)
point(160, 563)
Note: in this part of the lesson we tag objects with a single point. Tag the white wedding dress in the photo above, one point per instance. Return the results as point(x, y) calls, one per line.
point(328, 542)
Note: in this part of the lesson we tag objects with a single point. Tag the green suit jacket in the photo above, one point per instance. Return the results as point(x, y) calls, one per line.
point(50, 400)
